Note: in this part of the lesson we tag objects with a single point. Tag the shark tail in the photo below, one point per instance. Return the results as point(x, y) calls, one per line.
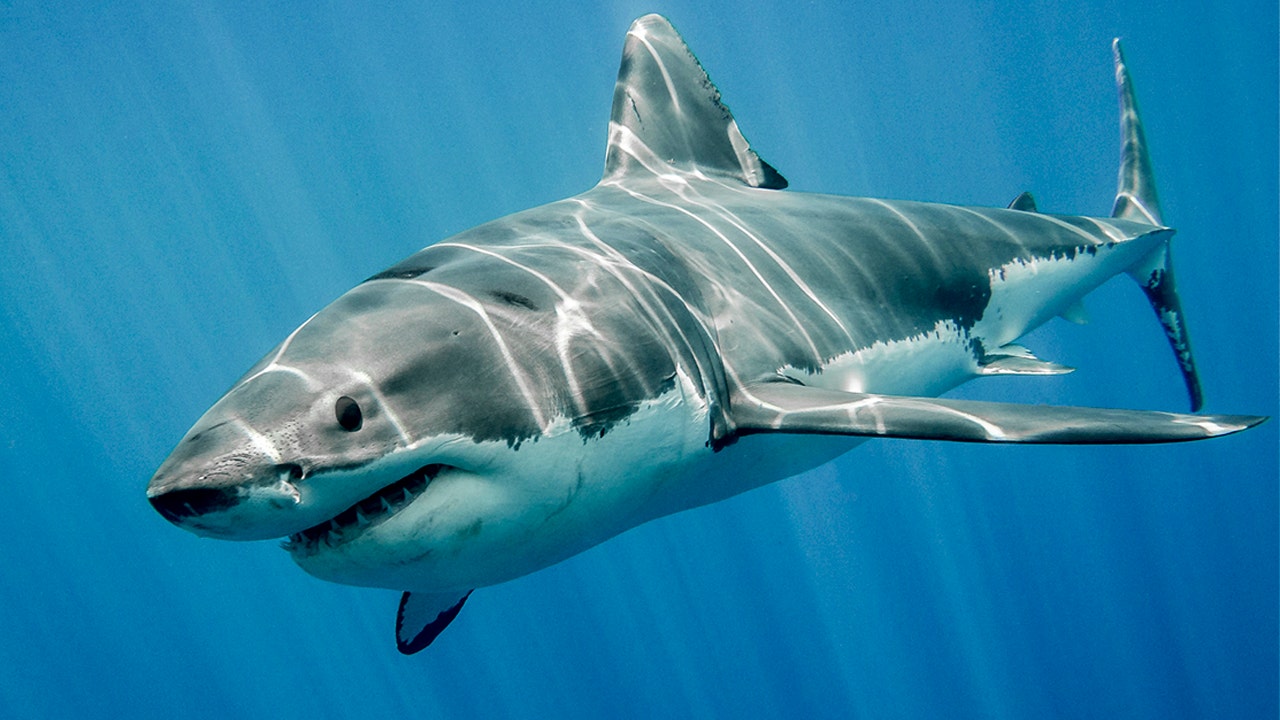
point(1136, 200)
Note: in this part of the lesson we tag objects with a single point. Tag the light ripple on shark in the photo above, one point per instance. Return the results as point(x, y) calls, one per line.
point(680, 333)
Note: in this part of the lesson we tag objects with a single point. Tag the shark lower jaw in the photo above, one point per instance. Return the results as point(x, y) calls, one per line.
point(350, 524)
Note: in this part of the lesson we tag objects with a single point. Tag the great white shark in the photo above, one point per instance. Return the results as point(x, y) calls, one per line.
point(682, 332)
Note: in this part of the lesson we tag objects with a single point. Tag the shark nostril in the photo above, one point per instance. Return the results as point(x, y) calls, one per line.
point(293, 470)
point(177, 505)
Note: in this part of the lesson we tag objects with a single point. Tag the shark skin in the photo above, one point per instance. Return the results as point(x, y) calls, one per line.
point(682, 332)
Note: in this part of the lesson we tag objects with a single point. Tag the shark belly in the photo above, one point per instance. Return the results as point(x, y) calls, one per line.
point(532, 507)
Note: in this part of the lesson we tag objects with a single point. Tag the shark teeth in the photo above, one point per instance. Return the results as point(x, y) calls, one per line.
point(364, 514)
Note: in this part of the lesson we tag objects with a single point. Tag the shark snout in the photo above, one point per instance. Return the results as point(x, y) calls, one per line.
point(179, 502)
point(232, 493)
point(178, 505)
point(254, 501)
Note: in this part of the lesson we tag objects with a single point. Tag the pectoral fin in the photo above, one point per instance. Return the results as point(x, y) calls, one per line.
point(784, 407)
point(422, 617)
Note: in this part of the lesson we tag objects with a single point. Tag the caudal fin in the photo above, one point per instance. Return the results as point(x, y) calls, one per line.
point(1136, 200)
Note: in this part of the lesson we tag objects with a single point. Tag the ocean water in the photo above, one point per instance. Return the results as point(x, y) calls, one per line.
point(182, 184)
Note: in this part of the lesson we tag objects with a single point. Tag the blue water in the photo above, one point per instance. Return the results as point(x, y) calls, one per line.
point(181, 185)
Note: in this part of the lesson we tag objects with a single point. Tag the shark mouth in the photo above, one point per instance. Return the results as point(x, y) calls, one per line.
point(365, 514)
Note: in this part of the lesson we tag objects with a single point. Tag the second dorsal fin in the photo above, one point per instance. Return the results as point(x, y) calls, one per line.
point(1024, 202)
point(667, 116)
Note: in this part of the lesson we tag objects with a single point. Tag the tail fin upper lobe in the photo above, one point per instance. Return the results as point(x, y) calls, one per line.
point(1136, 200)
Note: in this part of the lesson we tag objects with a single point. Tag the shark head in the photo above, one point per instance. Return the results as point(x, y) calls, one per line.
point(433, 427)
point(373, 427)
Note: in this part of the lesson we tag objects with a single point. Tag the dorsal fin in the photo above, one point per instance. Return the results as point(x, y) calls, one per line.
point(1024, 202)
point(667, 115)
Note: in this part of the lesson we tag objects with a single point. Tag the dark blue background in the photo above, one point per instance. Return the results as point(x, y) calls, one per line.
point(181, 185)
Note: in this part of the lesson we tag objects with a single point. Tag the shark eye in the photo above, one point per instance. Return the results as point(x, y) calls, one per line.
point(348, 412)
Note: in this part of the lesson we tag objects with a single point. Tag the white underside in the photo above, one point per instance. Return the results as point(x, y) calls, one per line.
point(514, 511)
point(1024, 295)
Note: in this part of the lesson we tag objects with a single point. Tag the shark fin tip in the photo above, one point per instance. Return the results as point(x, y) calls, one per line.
point(422, 617)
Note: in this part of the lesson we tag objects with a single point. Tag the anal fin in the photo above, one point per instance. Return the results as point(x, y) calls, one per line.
point(789, 408)
point(423, 616)
point(1076, 313)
